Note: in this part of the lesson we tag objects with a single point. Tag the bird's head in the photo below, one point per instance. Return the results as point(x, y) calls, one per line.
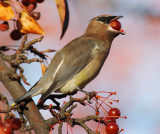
point(105, 27)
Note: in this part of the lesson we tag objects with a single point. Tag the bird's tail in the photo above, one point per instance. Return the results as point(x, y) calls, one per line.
point(26, 96)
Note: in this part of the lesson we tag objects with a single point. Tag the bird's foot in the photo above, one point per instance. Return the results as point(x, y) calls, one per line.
point(41, 105)
point(88, 94)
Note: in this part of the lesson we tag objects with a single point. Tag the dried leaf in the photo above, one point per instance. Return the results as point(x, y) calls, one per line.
point(47, 51)
point(44, 67)
point(64, 14)
point(29, 24)
point(24, 79)
point(26, 82)
point(6, 11)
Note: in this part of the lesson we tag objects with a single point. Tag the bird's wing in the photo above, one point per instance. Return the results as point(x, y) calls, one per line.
point(68, 62)
point(74, 57)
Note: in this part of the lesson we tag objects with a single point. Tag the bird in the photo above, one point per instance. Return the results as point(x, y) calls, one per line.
point(80, 61)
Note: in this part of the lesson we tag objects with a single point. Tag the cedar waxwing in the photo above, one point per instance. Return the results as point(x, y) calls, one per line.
point(80, 61)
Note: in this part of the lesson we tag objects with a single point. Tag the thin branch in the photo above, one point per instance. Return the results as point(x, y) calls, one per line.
point(3, 98)
point(36, 52)
point(7, 58)
point(27, 45)
point(88, 130)
point(22, 44)
point(71, 108)
point(60, 128)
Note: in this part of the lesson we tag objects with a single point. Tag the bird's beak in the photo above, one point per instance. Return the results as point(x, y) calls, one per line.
point(117, 17)
point(121, 31)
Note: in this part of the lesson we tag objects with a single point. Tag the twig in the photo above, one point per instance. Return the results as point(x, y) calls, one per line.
point(27, 45)
point(9, 109)
point(22, 44)
point(65, 114)
point(36, 52)
point(72, 100)
point(88, 130)
point(7, 58)
point(71, 108)
point(3, 98)
point(60, 128)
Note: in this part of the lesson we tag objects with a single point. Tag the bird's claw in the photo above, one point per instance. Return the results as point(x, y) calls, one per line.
point(88, 94)
point(40, 105)
point(88, 97)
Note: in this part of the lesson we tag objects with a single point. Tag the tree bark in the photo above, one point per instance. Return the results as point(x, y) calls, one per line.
point(16, 90)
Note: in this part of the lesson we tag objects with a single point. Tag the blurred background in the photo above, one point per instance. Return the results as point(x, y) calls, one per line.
point(132, 68)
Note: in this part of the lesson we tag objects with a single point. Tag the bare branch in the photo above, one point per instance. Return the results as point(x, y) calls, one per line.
point(27, 45)
point(22, 44)
point(16, 90)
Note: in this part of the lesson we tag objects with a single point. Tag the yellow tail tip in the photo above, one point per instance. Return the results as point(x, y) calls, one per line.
point(13, 104)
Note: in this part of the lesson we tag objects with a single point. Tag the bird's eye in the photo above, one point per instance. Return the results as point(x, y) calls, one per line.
point(103, 20)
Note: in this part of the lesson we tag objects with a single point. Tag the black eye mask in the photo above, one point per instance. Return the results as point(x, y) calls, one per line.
point(106, 19)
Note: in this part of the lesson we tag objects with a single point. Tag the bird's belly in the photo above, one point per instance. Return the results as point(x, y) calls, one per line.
point(82, 78)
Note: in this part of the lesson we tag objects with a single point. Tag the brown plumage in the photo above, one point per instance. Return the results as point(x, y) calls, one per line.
point(79, 62)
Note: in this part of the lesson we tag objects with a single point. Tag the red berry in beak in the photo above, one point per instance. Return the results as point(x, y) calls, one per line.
point(115, 24)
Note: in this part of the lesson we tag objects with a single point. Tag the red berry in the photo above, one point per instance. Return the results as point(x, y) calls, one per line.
point(15, 123)
point(112, 128)
point(111, 119)
point(4, 26)
point(7, 121)
point(5, 130)
point(5, 4)
point(31, 7)
point(40, 1)
point(25, 2)
point(32, 1)
point(1, 123)
point(115, 24)
point(114, 112)
point(15, 35)
point(36, 15)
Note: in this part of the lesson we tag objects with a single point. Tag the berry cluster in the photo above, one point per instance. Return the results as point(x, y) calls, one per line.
point(111, 115)
point(29, 5)
point(27, 2)
point(112, 127)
